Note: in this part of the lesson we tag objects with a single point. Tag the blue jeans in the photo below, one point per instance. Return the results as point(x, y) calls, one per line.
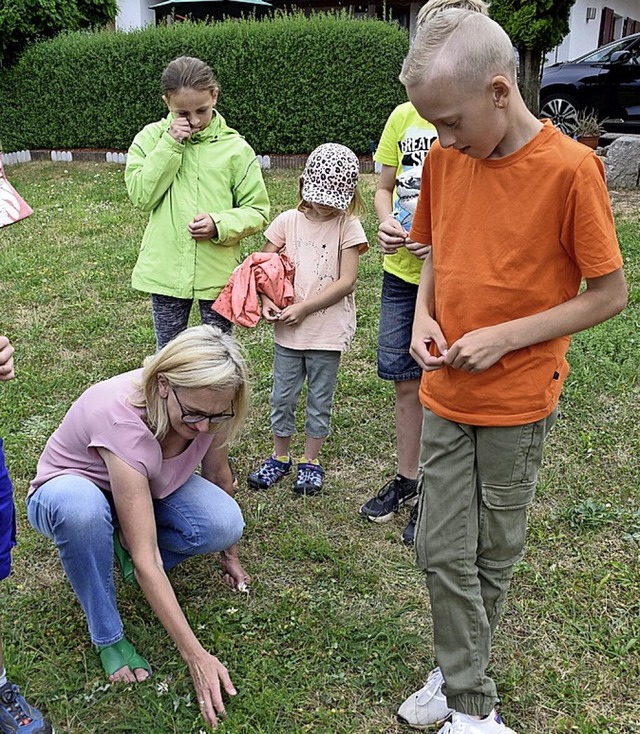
point(79, 517)
point(397, 306)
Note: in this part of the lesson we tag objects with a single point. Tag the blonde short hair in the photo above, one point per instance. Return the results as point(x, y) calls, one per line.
point(431, 7)
point(199, 357)
point(463, 47)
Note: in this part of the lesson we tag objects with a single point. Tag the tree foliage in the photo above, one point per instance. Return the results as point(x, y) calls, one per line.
point(535, 27)
point(24, 21)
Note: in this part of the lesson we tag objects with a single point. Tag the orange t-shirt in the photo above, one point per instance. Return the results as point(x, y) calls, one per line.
point(510, 237)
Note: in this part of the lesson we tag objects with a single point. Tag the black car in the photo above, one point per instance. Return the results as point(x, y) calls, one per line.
point(606, 81)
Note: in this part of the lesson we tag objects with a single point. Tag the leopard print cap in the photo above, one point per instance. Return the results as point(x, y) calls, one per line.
point(330, 176)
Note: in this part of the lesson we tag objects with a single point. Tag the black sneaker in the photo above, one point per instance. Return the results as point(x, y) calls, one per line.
point(19, 717)
point(408, 534)
point(309, 479)
point(386, 503)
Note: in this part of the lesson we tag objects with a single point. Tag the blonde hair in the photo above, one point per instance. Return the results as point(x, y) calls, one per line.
point(187, 72)
point(463, 47)
point(356, 208)
point(199, 357)
point(431, 7)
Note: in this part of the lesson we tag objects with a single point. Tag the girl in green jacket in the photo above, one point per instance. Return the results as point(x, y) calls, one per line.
point(202, 184)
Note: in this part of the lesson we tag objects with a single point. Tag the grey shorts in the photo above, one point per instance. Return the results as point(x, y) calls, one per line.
point(291, 367)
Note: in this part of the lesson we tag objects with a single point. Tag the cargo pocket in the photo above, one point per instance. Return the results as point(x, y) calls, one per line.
point(504, 523)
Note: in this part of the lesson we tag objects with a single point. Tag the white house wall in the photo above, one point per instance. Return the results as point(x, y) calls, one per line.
point(583, 36)
point(133, 14)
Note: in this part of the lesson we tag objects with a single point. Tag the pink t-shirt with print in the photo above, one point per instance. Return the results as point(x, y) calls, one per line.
point(102, 417)
point(314, 248)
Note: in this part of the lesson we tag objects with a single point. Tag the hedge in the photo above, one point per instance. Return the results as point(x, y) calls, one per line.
point(288, 83)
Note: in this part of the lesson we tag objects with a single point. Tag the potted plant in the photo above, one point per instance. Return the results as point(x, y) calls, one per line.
point(587, 128)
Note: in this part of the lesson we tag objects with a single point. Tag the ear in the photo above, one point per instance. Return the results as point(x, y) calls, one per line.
point(163, 386)
point(165, 99)
point(501, 91)
point(214, 96)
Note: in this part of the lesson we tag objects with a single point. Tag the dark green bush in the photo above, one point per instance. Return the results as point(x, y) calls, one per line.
point(288, 83)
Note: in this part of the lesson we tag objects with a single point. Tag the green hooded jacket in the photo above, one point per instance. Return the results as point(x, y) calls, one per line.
point(214, 172)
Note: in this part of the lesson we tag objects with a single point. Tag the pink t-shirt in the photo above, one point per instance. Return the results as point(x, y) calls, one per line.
point(314, 248)
point(102, 417)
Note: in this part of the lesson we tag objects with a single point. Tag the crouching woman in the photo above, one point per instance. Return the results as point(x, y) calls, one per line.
point(118, 475)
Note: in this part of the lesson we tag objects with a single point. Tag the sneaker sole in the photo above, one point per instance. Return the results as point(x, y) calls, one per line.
point(410, 502)
point(307, 491)
point(423, 727)
point(256, 484)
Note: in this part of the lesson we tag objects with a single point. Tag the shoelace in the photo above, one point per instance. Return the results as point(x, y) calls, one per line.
point(432, 686)
point(389, 488)
point(270, 471)
point(9, 700)
point(310, 476)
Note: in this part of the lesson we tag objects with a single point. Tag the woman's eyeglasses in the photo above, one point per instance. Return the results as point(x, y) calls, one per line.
point(190, 418)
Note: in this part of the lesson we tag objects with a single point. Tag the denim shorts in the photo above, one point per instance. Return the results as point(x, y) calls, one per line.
point(397, 307)
point(7, 519)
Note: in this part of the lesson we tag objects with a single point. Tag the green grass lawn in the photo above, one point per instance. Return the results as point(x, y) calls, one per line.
point(336, 631)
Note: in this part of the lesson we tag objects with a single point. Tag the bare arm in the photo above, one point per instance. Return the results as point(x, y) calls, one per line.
point(215, 464)
point(391, 234)
point(216, 469)
point(603, 298)
point(133, 503)
point(346, 283)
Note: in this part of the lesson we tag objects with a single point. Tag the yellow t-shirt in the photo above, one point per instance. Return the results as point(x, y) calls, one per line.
point(511, 237)
point(404, 144)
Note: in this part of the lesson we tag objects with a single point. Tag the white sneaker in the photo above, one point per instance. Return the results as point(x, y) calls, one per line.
point(426, 707)
point(463, 724)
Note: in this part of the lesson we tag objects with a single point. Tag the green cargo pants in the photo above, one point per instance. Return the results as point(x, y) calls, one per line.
point(476, 485)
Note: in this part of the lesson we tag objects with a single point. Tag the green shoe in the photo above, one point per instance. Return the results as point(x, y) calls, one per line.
point(124, 560)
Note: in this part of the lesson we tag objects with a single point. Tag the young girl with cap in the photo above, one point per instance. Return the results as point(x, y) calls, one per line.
point(324, 239)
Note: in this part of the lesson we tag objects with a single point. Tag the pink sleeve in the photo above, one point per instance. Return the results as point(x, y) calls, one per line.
point(134, 444)
point(353, 235)
point(276, 232)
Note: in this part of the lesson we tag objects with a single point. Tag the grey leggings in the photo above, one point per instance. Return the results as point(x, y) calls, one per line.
point(171, 316)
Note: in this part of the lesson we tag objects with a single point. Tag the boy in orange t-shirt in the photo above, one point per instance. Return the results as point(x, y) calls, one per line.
point(516, 214)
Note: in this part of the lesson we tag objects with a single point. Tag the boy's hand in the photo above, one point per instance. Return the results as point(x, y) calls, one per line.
point(425, 331)
point(202, 227)
point(391, 235)
point(418, 249)
point(6, 360)
point(270, 312)
point(293, 315)
point(179, 129)
point(477, 351)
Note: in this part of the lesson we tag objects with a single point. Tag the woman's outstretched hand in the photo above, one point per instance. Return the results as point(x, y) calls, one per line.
point(210, 678)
